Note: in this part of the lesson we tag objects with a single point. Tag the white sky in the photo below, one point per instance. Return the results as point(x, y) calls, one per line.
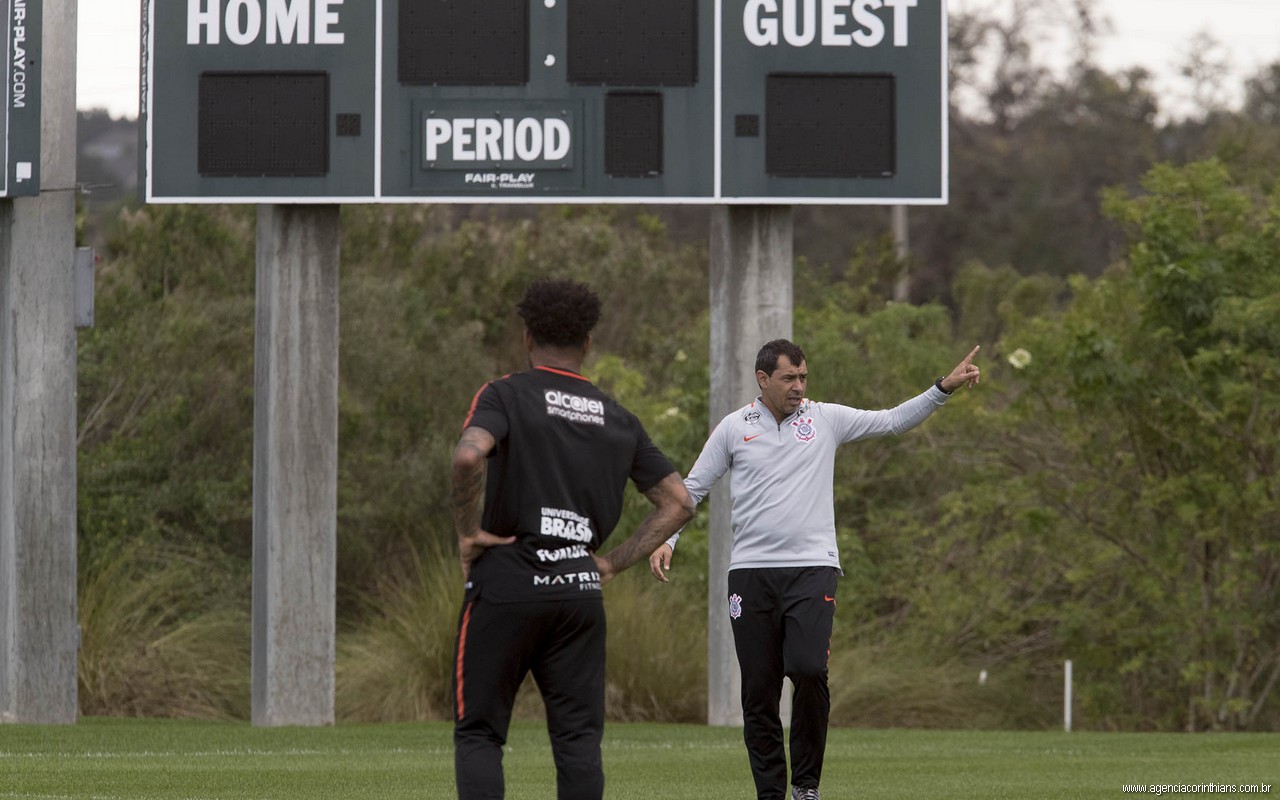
point(1151, 33)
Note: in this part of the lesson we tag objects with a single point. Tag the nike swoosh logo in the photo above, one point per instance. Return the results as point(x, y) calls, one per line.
point(828, 598)
point(749, 438)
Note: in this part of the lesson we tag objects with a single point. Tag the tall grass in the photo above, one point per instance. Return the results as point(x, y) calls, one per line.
point(159, 639)
point(657, 659)
point(397, 665)
point(157, 644)
point(876, 687)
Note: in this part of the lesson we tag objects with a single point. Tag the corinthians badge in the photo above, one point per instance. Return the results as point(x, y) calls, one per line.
point(804, 429)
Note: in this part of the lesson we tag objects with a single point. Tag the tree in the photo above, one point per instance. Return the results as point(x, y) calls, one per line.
point(1262, 96)
point(1147, 432)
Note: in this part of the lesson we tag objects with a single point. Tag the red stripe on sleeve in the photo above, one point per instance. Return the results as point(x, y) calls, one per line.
point(471, 412)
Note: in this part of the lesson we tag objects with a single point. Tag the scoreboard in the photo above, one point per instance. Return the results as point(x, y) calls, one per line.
point(523, 101)
point(20, 134)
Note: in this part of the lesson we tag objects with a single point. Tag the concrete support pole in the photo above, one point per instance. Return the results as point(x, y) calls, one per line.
point(295, 465)
point(902, 247)
point(39, 637)
point(751, 303)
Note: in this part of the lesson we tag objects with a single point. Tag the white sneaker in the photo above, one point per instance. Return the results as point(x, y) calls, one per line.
point(805, 794)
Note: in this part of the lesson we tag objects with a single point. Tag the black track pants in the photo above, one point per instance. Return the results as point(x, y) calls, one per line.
point(563, 644)
point(781, 622)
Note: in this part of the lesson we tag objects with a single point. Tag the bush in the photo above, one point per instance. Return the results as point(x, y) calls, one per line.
point(397, 665)
point(160, 638)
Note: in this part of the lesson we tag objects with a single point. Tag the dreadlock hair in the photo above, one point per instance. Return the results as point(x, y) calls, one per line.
point(559, 313)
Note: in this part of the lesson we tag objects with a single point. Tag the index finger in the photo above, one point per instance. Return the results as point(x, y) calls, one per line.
point(972, 353)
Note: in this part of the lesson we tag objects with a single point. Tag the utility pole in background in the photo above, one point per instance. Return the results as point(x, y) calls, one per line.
point(39, 636)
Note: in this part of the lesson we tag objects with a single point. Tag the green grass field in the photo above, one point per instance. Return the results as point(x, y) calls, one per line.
point(115, 759)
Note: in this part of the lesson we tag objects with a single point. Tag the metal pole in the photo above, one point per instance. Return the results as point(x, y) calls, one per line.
point(1066, 697)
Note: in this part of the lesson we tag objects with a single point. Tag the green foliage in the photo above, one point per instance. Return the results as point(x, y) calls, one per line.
point(166, 384)
point(1144, 450)
point(1108, 494)
point(428, 317)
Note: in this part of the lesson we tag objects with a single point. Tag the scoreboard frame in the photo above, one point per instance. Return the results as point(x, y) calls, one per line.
point(860, 115)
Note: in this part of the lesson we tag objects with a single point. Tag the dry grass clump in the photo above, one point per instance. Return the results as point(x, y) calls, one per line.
point(397, 665)
point(158, 641)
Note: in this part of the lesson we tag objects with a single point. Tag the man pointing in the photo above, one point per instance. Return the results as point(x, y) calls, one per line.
point(784, 562)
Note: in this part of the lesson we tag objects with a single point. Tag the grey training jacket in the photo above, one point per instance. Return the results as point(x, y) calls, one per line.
point(783, 508)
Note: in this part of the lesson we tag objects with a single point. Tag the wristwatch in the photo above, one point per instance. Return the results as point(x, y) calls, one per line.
point(938, 383)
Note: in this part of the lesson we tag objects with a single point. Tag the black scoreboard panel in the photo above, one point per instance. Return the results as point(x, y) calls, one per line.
point(628, 43)
point(457, 43)
point(830, 126)
point(264, 124)
point(633, 134)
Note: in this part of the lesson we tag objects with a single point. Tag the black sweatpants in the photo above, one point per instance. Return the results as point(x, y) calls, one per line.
point(781, 619)
point(563, 644)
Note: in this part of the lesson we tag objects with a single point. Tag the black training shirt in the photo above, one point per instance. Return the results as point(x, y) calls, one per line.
point(556, 479)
